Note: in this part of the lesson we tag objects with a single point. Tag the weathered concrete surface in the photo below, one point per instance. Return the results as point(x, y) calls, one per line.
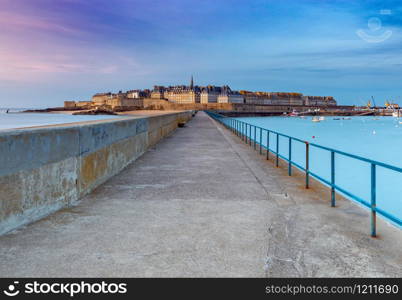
point(46, 168)
point(201, 203)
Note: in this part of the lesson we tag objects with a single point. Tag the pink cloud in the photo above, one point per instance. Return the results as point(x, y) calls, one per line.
point(16, 21)
point(40, 45)
point(34, 66)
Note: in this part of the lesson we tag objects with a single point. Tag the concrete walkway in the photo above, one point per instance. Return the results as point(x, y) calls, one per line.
point(202, 203)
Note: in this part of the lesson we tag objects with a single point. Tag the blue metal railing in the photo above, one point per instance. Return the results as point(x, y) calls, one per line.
point(247, 131)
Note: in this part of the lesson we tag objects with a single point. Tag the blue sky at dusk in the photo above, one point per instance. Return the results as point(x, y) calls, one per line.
point(56, 50)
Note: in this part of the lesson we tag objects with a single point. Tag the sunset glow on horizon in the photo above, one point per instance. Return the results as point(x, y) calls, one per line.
point(51, 51)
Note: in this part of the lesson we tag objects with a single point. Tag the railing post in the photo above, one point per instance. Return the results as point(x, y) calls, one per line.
point(267, 144)
point(307, 165)
point(246, 133)
point(242, 131)
point(234, 127)
point(255, 136)
point(373, 202)
point(290, 157)
point(249, 137)
point(277, 150)
point(260, 140)
point(332, 178)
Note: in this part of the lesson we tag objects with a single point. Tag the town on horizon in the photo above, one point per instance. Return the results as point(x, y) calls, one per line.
point(194, 94)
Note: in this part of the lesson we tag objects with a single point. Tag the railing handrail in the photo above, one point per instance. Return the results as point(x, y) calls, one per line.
point(372, 204)
point(376, 162)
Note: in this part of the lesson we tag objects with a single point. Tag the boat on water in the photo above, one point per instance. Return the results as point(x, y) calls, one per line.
point(294, 114)
point(316, 119)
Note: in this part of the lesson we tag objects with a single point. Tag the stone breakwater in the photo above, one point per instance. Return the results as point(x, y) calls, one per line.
point(44, 169)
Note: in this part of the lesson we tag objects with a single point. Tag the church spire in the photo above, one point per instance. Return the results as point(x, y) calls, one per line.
point(192, 83)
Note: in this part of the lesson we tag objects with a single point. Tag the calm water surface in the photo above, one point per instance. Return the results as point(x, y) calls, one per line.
point(16, 119)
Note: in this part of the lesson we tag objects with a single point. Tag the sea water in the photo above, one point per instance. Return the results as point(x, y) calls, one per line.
point(376, 138)
point(17, 119)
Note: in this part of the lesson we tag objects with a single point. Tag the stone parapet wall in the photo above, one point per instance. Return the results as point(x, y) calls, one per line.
point(45, 169)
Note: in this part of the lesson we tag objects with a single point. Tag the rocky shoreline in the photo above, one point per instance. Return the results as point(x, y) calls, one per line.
point(75, 111)
point(49, 110)
point(95, 112)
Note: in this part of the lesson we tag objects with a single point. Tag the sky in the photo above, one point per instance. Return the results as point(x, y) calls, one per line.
point(56, 50)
